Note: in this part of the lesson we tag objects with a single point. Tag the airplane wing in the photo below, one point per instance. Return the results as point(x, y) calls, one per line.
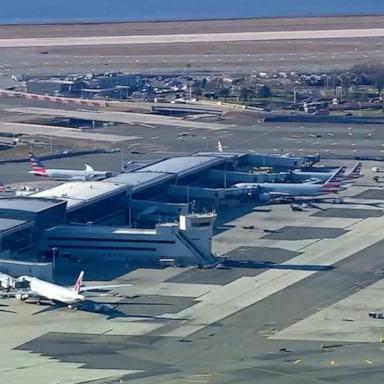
point(102, 287)
point(279, 194)
point(77, 178)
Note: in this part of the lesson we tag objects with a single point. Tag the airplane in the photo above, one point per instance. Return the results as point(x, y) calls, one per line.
point(88, 173)
point(41, 289)
point(6, 281)
point(268, 191)
point(354, 174)
point(219, 147)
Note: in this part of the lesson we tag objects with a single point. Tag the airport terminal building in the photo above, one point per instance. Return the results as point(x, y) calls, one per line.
point(164, 210)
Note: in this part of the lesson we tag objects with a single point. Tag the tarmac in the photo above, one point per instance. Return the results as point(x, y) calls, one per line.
point(295, 312)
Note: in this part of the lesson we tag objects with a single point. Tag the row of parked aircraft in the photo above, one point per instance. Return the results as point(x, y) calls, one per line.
point(26, 287)
point(335, 183)
point(315, 183)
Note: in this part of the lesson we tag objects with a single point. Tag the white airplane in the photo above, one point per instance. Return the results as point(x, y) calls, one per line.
point(6, 281)
point(268, 191)
point(353, 174)
point(42, 289)
point(88, 173)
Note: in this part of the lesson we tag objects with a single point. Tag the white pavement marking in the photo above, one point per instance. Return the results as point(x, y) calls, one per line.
point(48, 130)
point(346, 320)
point(191, 38)
point(247, 291)
point(121, 117)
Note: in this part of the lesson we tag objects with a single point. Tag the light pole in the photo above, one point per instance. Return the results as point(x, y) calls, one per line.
point(54, 250)
point(207, 142)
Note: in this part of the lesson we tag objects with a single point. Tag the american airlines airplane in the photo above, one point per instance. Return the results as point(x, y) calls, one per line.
point(41, 290)
point(268, 191)
point(88, 173)
point(354, 174)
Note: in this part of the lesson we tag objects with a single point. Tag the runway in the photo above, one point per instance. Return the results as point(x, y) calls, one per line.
point(192, 38)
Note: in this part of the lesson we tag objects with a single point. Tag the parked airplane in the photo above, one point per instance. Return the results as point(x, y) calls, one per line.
point(6, 281)
point(41, 290)
point(88, 173)
point(298, 175)
point(268, 191)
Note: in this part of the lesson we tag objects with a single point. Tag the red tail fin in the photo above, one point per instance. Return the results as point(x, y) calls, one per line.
point(37, 166)
point(333, 184)
point(355, 172)
point(79, 282)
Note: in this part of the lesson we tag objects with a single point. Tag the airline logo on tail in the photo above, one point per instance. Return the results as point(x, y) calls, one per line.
point(79, 282)
point(333, 184)
point(37, 166)
point(355, 172)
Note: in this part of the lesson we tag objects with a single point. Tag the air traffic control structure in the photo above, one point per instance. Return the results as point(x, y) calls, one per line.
point(164, 210)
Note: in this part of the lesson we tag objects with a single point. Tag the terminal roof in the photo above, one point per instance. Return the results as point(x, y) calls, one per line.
point(183, 165)
point(226, 155)
point(7, 224)
point(140, 179)
point(77, 193)
point(73, 230)
point(32, 204)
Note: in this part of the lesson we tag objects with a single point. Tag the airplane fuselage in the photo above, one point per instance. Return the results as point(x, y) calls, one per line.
point(54, 292)
point(71, 174)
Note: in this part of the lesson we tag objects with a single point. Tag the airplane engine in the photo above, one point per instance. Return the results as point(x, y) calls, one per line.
point(21, 297)
point(264, 196)
point(6, 284)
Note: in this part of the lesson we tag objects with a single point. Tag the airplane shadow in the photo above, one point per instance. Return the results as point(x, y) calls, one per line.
point(270, 265)
point(6, 310)
point(110, 310)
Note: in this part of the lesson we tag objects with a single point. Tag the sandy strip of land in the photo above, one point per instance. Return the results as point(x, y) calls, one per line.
point(189, 26)
point(191, 38)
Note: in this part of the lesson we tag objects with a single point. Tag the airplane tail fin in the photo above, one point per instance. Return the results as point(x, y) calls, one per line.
point(333, 184)
point(88, 168)
point(37, 166)
point(219, 146)
point(355, 172)
point(2, 188)
point(79, 282)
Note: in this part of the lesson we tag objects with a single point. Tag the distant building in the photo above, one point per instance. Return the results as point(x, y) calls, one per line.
point(111, 84)
point(51, 86)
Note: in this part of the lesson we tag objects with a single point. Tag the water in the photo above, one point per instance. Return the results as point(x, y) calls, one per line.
point(45, 11)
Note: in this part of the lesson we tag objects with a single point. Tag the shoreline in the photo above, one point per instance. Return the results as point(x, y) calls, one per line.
point(180, 20)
